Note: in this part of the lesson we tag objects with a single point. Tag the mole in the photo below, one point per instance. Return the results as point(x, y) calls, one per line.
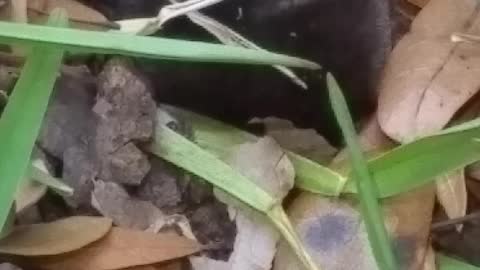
point(349, 38)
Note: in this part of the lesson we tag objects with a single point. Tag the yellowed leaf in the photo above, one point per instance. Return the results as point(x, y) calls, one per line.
point(54, 238)
point(427, 77)
point(81, 15)
point(452, 193)
point(123, 248)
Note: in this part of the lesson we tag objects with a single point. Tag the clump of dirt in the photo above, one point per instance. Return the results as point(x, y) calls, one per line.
point(98, 133)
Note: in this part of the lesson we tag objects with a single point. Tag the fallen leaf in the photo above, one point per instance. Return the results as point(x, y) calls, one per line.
point(112, 201)
point(332, 230)
point(429, 261)
point(266, 164)
point(427, 77)
point(122, 248)
point(54, 238)
point(306, 142)
point(81, 15)
point(452, 193)
point(419, 3)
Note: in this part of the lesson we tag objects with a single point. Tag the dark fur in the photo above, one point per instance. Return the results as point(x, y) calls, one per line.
point(350, 38)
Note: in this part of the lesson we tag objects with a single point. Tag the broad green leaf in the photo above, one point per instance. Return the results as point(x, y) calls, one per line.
point(22, 117)
point(449, 263)
point(152, 47)
point(366, 187)
point(218, 138)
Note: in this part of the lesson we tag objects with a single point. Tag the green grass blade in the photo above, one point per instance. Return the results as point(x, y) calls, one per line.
point(367, 191)
point(448, 263)
point(218, 138)
point(180, 151)
point(152, 47)
point(22, 117)
point(420, 162)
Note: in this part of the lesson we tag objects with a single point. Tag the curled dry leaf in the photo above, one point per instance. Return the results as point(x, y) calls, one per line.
point(122, 248)
point(55, 238)
point(428, 78)
point(452, 193)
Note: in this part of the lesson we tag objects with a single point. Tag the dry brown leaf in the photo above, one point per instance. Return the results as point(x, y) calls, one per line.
point(54, 238)
point(419, 3)
point(123, 248)
point(428, 78)
point(452, 193)
point(332, 230)
point(81, 15)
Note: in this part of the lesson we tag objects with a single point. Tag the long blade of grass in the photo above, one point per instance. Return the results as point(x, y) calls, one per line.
point(420, 162)
point(218, 138)
point(448, 263)
point(22, 117)
point(399, 170)
point(180, 151)
point(367, 191)
point(142, 46)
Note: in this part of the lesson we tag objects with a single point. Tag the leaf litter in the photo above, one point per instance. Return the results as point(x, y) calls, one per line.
point(247, 223)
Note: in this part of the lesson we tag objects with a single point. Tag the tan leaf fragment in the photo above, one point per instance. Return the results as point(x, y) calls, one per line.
point(81, 15)
point(123, 248)
point(305, 142)
point(266, 164)
point(452, 193)
point(55, 238)
point(427, 77)
point(429, 262)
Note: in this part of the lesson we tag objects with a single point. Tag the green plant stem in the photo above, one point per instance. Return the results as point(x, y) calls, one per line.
point(22, 118)
point(367, 191)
